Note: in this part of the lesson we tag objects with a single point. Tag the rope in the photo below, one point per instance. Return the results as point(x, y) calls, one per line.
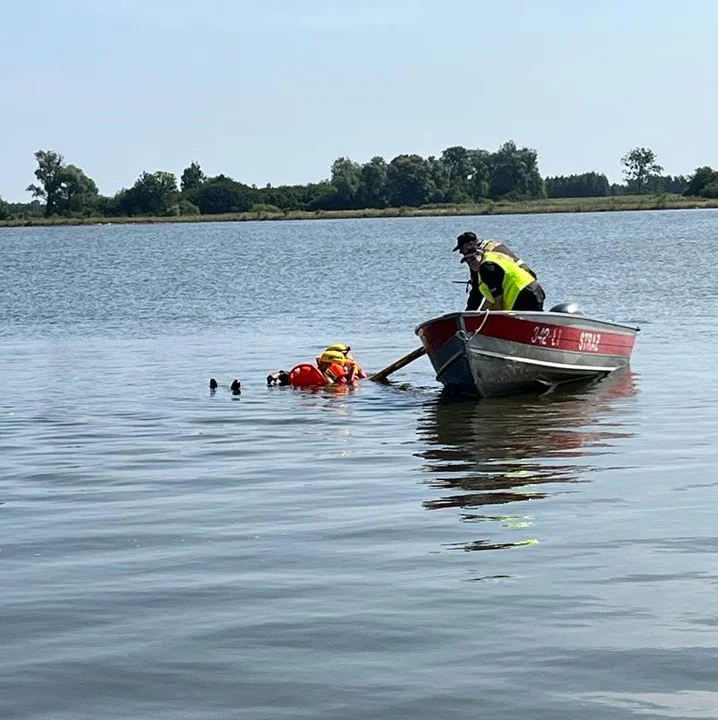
point(483, 322)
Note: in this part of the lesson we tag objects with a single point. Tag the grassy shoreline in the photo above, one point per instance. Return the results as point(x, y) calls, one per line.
point(553, 205)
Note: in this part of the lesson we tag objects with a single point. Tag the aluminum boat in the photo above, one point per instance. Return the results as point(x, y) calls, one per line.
point(493, 353)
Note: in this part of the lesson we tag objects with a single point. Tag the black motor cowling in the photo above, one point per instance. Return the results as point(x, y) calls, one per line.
point(567, 307)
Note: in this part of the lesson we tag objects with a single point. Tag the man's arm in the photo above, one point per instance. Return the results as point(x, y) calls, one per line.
point(474, 300)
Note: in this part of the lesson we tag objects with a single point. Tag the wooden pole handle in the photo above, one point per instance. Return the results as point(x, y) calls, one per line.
point(397, 365)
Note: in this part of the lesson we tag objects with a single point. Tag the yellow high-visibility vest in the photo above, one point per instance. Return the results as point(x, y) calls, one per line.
point(515, 279)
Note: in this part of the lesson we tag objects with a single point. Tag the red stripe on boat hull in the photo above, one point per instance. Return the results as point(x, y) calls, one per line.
point(551, 336)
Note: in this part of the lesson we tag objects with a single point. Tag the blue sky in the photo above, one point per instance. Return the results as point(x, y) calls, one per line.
point(274, 91)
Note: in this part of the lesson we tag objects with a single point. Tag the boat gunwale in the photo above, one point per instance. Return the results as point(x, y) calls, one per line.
point(529, 315)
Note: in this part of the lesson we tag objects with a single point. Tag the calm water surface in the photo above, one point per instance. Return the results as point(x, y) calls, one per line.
point(384, 553)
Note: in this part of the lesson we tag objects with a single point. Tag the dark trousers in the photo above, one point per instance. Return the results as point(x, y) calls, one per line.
point(530, 298)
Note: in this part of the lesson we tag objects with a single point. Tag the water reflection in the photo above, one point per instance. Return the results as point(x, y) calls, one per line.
point(490, 453)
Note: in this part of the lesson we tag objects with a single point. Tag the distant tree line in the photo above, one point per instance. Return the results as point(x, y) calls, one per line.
point(458, 175)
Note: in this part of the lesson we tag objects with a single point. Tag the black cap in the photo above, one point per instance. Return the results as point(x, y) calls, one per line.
point(464, 238)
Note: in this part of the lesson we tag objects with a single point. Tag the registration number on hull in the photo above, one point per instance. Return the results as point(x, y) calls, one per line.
point(551, 337)
point(546, 336)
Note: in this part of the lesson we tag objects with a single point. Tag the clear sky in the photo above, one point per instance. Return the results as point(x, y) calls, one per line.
point(273, 91)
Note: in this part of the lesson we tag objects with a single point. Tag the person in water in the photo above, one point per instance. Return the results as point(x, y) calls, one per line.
point(334, 366)
point(280, 377)
point(468, 242)
point(235, 387)
point(504, 283)
point(338, 364)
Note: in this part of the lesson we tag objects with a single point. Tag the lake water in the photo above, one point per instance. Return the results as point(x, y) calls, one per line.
point(384, 553)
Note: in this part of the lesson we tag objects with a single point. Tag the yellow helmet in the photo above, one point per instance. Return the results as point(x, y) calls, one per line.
point(339, 347)
point(333, 356)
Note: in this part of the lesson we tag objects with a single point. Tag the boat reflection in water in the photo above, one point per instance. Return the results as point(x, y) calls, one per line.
point(485, 455)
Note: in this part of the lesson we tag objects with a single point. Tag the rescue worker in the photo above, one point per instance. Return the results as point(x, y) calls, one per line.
point(504, 283)
point(466, 243)
point(339, 366)
point(335, 366)
point(346, 351)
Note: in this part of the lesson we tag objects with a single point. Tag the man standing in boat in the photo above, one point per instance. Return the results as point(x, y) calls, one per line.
point(498, 276)
point(468, 242)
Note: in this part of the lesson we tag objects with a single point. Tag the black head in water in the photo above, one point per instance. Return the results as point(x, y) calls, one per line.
point(212, 384)
point(281, 377)
point(236, 387)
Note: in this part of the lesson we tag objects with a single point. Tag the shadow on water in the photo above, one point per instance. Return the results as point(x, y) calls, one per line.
point(487, 453)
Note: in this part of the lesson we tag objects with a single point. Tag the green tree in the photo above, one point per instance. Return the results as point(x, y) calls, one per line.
point(79, 193)
point(703, 183)
point(221, 194)
point(589, 184)
point(65, 189)
point(318, 196)
point(617, 190)
point(4, 209)
point(480, 173)
point(640, 168)
point(346, 178)
point(372, 188)
point(459, 169)
point(118, 205)
point(192, 177)
point(441, 190)
point(515, 174)
point(153, 194)
point(156, 193)
point(674, 183)
point(49, 170)
point(314, 196)
point(409, 181)
point(33, 209)
point(285, 197)
point(187, 208)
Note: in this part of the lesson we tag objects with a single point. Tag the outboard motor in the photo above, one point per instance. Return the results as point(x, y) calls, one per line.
point(567, 307)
